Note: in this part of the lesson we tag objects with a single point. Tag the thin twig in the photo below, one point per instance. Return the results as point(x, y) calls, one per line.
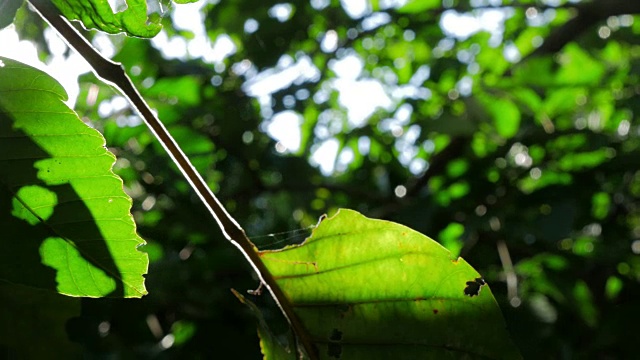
point(510, 274)
point(114, 74)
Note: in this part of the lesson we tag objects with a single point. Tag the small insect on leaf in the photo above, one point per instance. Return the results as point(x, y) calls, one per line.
point(474, 286)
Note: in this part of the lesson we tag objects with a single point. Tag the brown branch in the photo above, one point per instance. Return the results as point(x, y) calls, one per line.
point(114, 74)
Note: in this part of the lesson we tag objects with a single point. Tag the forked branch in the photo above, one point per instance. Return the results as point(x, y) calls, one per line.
point(113, 74)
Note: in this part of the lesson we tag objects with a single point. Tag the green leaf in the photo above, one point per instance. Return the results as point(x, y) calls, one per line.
point(373, 289)
point(579, 161)
point(58, 191)
point(613, 287)
point(418, 6)
point(451, 236)
point(578, 67)
point(584, 303)
point(528, 98)
point(547, 178)
point(97, 14)
point(184, 90)
point(457, 167)
point(506, 115)
point(534, 72)
point(526, 39)
point(8, 9)
point(600, 204)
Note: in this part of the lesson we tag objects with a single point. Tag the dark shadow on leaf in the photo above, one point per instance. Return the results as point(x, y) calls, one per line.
point(20, 246)
point(411, 330)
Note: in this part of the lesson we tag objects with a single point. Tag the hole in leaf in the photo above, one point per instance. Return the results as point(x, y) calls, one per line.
point(336, 335)
point(474, 286)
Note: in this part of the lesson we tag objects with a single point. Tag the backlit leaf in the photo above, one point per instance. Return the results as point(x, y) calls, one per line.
point(372, 289)
point(65, 216)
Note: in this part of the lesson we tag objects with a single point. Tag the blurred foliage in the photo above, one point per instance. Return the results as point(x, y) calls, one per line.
point(476, 122)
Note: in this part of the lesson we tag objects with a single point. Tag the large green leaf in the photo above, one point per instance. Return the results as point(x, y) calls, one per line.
point(373, 289)
point(65, 218)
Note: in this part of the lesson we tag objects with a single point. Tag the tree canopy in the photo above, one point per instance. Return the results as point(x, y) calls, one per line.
point(503, 129)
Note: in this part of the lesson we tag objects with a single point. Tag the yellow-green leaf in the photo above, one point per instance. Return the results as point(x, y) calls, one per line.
point(373, 289)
